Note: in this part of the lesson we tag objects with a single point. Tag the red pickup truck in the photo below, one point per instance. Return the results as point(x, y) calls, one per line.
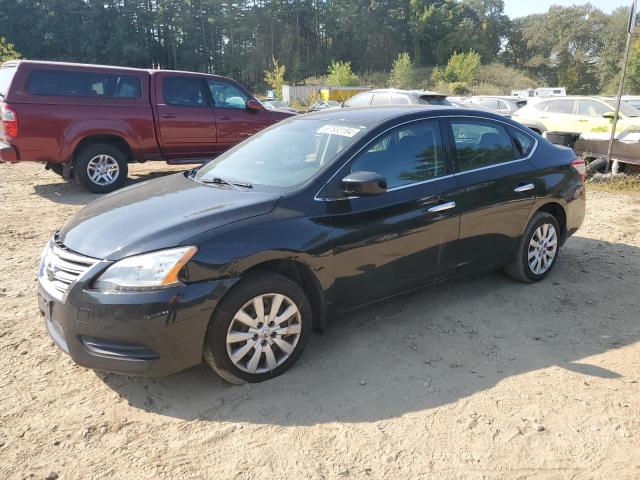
point(90, 121)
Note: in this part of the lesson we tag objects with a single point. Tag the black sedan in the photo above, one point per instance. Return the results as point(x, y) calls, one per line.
point(239, 260)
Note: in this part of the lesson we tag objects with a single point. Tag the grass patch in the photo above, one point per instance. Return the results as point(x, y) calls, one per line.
point(629, 184)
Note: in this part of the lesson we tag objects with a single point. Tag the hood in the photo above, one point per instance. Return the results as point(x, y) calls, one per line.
point(158, 214)
point(278, 114)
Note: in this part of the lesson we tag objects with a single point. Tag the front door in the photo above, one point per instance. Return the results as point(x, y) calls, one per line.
point(590, 119)
point(496, 190)
point(405, 237)
point(235, 121)
point(186, 123)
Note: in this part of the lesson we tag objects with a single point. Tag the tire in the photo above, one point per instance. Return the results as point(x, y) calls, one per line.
point(520, 267)
point(218, 350)
point(92, 158)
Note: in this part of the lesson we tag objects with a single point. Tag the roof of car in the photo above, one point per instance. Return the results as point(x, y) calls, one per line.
point(410, 92)
point(380, 114)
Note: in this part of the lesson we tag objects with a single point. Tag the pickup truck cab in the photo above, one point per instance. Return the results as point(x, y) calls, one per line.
point(90, 121)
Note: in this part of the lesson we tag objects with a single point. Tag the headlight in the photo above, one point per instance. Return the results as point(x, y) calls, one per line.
point(147, 271)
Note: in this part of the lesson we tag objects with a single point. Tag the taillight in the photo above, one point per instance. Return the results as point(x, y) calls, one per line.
point(9, 121)
point(581, 167)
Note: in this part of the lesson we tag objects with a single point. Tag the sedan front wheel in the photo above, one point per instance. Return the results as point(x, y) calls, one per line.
point(259, 329)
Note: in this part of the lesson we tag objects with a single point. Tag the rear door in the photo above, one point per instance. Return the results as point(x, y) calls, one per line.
point(495, 192)
point(186, 122)
point(234, 120)
point(405, 237)
point(559, 115)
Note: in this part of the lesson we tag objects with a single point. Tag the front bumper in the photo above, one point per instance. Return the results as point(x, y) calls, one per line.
point(7, 153)
point(142, 333)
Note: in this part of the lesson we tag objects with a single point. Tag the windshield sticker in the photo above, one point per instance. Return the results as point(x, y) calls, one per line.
point(339, 130)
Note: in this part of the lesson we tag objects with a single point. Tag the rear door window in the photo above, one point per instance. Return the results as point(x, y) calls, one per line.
point(481, 143)
point(83, 84)
point(400, 100)
point(184, 92)
point(490, 103)
point(561, 106)
point(360, 100)
point(381, 99)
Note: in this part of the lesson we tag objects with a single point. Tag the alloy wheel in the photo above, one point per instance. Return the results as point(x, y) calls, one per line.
point(103, 169)
point(264, 333)
point(543, 248)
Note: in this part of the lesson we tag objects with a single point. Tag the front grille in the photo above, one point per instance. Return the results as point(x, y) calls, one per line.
point(61, 267)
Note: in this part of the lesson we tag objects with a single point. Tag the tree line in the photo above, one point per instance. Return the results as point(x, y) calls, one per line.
point(579, 47)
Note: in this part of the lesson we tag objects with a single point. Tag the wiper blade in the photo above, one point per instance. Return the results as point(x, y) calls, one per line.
point(230, 183)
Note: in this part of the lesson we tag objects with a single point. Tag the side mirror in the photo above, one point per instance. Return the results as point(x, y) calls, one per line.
point(253, 104)
point(609, 115)
point(364, 184)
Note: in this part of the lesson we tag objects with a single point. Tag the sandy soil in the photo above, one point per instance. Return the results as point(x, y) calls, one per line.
point(482, 378)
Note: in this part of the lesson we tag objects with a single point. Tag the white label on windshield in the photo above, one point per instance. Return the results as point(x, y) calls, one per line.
point(339, 130)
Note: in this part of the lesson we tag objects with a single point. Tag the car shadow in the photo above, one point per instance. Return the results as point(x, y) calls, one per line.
point(70, 192)
point(427, 349)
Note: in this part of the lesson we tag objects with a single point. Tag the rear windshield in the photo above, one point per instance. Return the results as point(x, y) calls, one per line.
point(435, 100)
point(83, 84)
point(6, 74)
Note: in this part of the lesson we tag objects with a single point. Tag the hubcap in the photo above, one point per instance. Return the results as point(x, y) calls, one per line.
point(103, 169)
point(264, 333)
point(542, 248)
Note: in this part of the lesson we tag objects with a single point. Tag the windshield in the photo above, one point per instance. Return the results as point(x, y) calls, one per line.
point(625, 109)
point(6, 74)
point(285, 155)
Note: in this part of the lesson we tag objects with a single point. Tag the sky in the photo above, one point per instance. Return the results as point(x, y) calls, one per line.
point(520, 8)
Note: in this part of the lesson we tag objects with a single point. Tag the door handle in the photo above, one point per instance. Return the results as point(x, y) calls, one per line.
point(225, 118)
point(582, 120)
point(524, 187)
point(442, 207)
point(168, 115)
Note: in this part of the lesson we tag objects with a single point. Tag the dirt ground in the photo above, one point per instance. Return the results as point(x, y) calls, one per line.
point(481, 378)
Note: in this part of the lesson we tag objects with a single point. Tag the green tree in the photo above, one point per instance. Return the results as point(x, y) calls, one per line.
point(275, 77)
point(7, 51)
point(460, 72)
point(339, 74)
point(632, 77)
point(403, 73)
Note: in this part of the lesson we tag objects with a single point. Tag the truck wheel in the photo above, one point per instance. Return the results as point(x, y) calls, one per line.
point(101, 168)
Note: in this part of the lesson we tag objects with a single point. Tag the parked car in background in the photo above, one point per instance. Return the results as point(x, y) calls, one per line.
point(506, 106)
point(462, 102)
point(633, 100)
point(323, 105)
point(90, 121)
point(393, 96)
point(239, 260)
point(586, 115)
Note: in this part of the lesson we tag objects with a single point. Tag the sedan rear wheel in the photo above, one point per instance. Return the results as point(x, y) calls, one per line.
point(259, 329)
point(537, 249)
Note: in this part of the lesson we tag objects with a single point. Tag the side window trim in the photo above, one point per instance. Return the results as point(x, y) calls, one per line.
point(347, 165)
point(203, 90)
point(233, 84)
point(454, 154)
